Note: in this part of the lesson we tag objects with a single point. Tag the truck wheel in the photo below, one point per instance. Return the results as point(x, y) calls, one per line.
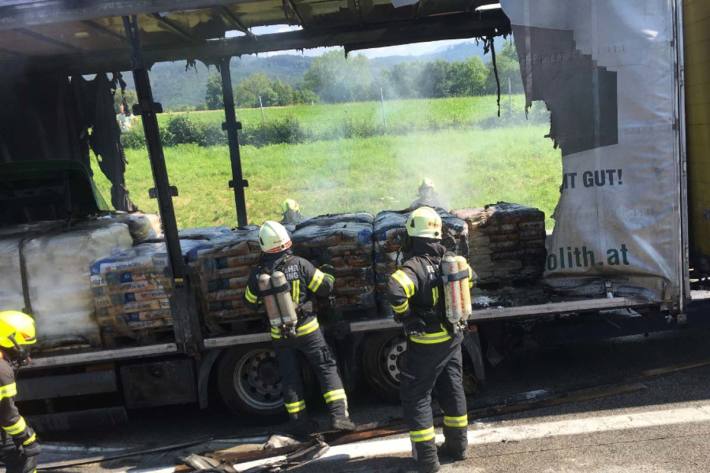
point(249, 381)
point(381, 363)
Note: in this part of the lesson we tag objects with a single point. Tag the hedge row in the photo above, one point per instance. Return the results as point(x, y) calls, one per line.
point(181, 130)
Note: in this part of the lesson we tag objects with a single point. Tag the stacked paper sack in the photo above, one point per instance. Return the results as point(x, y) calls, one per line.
point(389, 233)
point(221, 269)
point(506, 242)
point(343, 241)
point(132, 291)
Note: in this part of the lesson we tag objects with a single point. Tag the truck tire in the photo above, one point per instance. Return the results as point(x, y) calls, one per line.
point(380, 362)
point(249, 382)
point(381, 366)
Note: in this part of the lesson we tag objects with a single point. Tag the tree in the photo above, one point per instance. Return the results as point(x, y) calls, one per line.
point(402, 80)
point(284, 93)
point(435, 80)
point(468, 77)
point(508, 68)
point(305, 95)
point(257, 85)
point(213, 93)
point(337, 79)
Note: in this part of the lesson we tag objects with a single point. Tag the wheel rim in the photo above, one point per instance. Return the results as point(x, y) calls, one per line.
point(392, 356)
point(257, 380)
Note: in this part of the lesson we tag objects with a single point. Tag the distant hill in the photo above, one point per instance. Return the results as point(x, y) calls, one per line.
point(174, 87)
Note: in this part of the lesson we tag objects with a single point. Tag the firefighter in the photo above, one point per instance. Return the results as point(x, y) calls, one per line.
point(427, 196)
point(20, 446)
point(433, 360)
point(305, 337)
point(291, 212)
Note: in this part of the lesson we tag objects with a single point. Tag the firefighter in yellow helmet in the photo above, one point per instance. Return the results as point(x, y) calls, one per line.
point(427, 196)
point(291, 212)
point(20, 446)
point(433, 357)
point(291, 338)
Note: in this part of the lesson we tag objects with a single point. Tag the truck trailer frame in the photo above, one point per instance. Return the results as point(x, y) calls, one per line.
point(190, 345)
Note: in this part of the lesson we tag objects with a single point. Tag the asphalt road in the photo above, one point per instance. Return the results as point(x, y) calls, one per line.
point(662, 425)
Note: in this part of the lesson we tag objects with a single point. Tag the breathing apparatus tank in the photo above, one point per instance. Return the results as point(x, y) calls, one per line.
point(457, 297)
point(278, 302)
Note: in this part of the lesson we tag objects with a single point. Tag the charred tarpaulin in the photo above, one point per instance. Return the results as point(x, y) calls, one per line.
point(53, 117)
point(581, 96)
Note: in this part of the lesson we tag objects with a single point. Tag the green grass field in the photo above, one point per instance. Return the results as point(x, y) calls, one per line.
point(471, 167)
point(327, 119)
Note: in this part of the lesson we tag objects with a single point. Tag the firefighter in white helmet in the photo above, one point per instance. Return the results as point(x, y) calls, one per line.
point(20, 446)
point(433, 358)
point(291, 212)
point(427, 196)
point(303, 282)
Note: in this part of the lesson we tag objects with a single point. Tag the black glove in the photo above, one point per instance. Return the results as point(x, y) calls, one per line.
point(328, 269)
point(413, 325)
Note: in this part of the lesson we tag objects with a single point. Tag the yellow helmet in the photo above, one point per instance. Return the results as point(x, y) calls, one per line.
point(424, 222)
point(273, 237)
point(17, 329)
point(426, 184)
point(290, 204)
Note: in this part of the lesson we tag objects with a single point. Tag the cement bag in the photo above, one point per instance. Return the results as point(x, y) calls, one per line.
point(220, 268)
point(345, 242)
point(205, 233)
point(59, 281)
point(506, 242)
point(132, 290)
point(330, 219)
point(606, 71)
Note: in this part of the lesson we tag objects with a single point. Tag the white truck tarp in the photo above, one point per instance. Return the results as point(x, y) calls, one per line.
point(607, 71)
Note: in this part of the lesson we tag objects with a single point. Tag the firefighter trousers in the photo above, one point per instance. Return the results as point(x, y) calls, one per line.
point(434, 367)
point(316, 351)
point(14, 460)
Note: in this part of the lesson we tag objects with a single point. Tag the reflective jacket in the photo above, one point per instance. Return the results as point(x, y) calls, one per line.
point(12, 423)
point(305, 280)
point(416, 293)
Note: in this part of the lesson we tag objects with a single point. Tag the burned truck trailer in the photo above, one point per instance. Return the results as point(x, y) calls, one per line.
point(619, 246)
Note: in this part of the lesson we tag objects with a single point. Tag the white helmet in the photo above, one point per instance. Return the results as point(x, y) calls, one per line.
point(273, 237)
point(424, 222)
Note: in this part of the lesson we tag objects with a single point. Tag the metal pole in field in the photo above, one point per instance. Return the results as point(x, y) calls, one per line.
point(231, 126)
point(382, 104)
point(510, 96)
point(261, 106)
point(186, 327)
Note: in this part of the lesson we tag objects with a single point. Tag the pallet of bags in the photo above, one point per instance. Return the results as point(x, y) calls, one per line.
point(132, 291)
point(389, 233)
point(46, 272)
point(220, 269)
point(343, 241)
point(506, 242)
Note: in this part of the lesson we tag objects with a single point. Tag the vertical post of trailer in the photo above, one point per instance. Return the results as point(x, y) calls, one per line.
point(186, 327)
point(232, 126)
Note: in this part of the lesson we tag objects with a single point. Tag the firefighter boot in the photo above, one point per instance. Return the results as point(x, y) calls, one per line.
point(425, 454)
point(342, 423)
point(455, 446)
point(302, 426)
